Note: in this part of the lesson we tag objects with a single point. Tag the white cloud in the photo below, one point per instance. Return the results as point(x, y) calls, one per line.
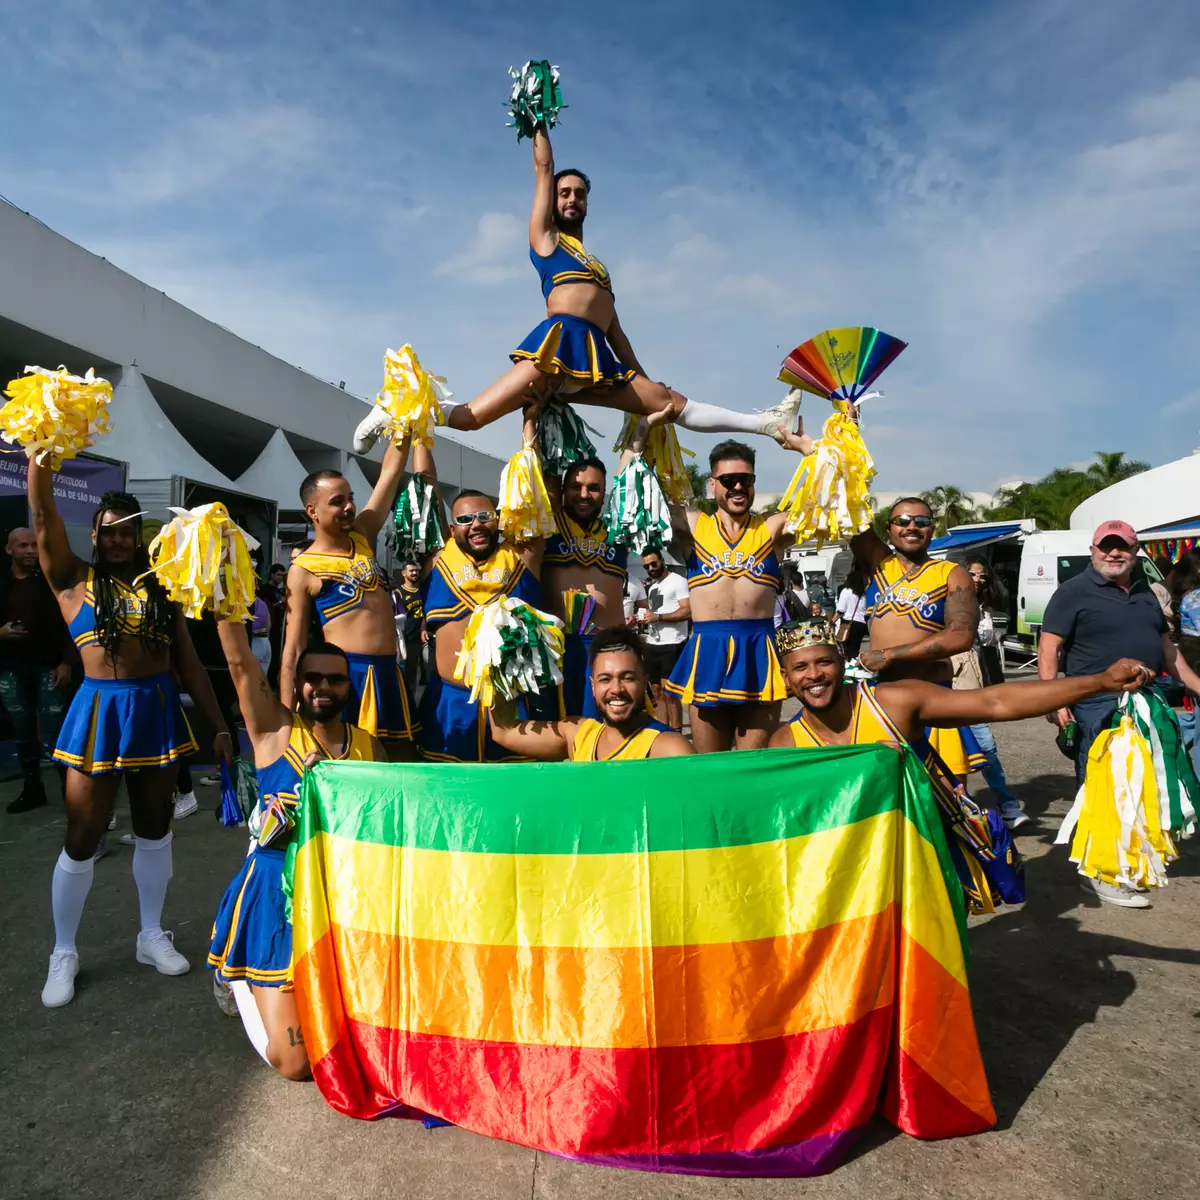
point(493, 254)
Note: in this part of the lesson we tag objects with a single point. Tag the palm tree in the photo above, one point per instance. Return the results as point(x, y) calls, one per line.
point(1111, 467)
point(950, 506)
point(699, 481)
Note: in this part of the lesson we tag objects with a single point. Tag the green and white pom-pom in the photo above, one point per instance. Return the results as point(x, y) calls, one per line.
point(509, 648)
point(418, 520)
point(536, 98)
point(636, 512)
point(563, 437)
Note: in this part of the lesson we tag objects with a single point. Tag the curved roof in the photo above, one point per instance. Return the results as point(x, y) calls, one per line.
point(1164, 495)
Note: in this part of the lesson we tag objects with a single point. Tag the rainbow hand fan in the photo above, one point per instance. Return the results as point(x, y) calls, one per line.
point(840, 364)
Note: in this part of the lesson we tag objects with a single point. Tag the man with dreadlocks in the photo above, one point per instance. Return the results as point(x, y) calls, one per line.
point(125, 720)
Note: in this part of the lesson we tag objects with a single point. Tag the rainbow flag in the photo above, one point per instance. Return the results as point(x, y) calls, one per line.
point(723, 964)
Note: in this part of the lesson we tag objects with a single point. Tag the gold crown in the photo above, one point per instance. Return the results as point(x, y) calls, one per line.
point(797, 635)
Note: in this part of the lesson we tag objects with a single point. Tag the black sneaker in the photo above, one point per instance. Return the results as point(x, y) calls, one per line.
point(27, 801)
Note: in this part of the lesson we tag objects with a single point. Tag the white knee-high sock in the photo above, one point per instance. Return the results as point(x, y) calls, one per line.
point(68, 893)
point(152, 870)
point(708, 418)
point(252, 1021)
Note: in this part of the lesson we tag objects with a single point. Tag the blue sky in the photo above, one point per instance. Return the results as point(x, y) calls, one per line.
point(1012, 188)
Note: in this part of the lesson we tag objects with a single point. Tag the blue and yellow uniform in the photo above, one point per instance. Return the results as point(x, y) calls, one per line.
point(569, 347)
point(919, 596)
point(573, 546)
point(252, 936)
point(730, 662)
point(453, 727)
point(378, 701)
point(121, 724)
point(636, 745)
point(985, 858)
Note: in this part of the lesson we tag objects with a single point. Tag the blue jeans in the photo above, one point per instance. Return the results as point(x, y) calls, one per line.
point(1188, 726)
point(993, 773)
point(1092, 716)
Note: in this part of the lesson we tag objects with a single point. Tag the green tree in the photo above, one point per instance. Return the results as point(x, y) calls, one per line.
point(1051, 499)
point(699, 481)
point(950, 506)
point(1111, 467)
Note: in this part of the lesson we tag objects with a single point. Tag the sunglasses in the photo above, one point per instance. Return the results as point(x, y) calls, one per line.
point(736, 481)
point(484, 516)
point(904, 520)
point(313, 678)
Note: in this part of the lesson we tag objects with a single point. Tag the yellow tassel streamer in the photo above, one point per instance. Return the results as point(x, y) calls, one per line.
point(411, 397)
point(54, 415)
point(1115, 823)
point(663, 455)
point(509, 648)
point(525, 510)
point(828, 497)
point(202, 559)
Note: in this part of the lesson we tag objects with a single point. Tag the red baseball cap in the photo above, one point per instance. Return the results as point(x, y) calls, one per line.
point(1117, 529)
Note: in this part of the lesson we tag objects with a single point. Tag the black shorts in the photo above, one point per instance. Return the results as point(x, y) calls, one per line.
point(661, 660)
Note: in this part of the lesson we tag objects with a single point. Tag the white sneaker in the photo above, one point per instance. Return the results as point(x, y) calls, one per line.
point(370, 429)
point(223, 995)
point(1012, 816)
point(60, 980)
point(780, 419)
point(157, 949)
point(102, 849)
point(1116, 893)
point(112, 821)
point(185, 804)
point(129, 839)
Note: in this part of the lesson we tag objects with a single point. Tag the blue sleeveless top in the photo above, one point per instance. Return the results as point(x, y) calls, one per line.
point(569, 262)
point(82, 626)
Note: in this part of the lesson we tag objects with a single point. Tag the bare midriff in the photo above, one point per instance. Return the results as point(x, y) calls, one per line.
point(896, 630)
point(605, 588)
point(133, 659)
point(447, 644)
point(732, 600)
point(584, 300)
point(368, 629)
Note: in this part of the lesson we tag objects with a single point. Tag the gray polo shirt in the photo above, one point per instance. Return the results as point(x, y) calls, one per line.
point(1100, 622)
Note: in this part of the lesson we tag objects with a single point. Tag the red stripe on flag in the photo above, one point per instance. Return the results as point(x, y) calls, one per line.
point(669, 1100)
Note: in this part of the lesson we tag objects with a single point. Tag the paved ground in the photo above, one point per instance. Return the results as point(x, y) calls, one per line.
point(1089, 1017)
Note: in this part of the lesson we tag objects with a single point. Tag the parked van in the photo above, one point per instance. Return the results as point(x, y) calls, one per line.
point(830, 565)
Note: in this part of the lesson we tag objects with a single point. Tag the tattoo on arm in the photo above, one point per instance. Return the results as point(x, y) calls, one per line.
point(962, 618)
point(295, 1036)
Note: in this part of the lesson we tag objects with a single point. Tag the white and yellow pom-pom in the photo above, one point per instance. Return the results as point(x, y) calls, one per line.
point(54, 415)
point(663, 455)
point(202, 558)
point(525, 509)
point(1114, 827)
point(411, 397)
point(829, 496)
point(510, 649)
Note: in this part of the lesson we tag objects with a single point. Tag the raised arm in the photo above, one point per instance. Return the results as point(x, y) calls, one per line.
point(383, 495)
point(946, 708)
point(869, 550)
point(261, 710)
point(295, 634)
point(543, 233)
point(531, 552)
point(546, 741)
point(683, 520)
point(197, 684)
point(423, 465)
point(60, 565)
point(962, 619)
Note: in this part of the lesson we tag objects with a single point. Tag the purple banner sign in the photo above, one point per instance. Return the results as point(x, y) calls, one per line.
point(77, 487)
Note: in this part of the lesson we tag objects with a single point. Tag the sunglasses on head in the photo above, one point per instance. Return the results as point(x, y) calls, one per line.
point(485, 516)
point(736, 481)
point(904, 520)
point(313, 678)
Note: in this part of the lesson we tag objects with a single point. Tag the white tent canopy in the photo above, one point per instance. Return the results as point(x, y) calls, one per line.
point(276, 473)
point(1163, 496)
point(143, 436)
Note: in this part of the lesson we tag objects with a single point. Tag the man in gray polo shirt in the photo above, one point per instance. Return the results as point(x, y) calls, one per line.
point(1093, 620)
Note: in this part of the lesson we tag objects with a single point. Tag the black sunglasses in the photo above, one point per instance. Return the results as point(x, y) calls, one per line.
point(736, 481)
point(485, 515)
point(312, 678)
point(904, 520)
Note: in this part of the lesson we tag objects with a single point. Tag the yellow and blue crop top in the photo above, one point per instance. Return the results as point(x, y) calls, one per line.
point(345, 578)
point(569, 262)
point(586, 741)
point(918, 595)
point(750, 556)
point(459, 583)
point(282, 777)
point(572, 545)
point(868, 723)
point(82, 626)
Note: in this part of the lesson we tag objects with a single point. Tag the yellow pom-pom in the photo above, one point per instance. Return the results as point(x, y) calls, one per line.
point(663, 455)
point(54, 415)
point(525, 510)
point(829, 496)
point(202, 559)
point(411, 397)
point(509, 648)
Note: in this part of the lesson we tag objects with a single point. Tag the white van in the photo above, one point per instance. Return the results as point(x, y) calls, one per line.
point(830, 565)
